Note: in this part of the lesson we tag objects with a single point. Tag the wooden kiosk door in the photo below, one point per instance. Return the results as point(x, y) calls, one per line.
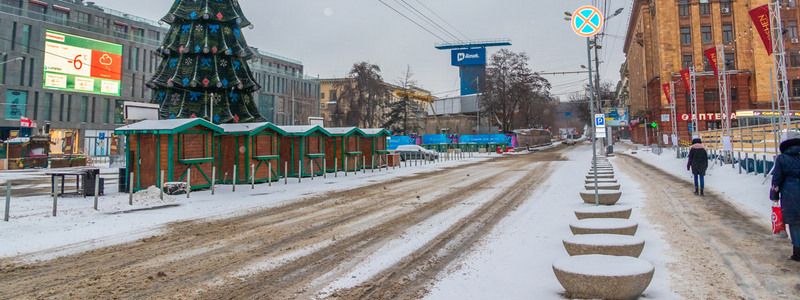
point(148, 171)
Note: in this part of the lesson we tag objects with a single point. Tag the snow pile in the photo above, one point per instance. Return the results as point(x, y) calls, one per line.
point(152, 197)
point(604, 265)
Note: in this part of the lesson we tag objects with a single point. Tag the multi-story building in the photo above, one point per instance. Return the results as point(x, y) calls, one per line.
point(335, 110)
point(81, 107)
point(666, 36)
point(287, 96)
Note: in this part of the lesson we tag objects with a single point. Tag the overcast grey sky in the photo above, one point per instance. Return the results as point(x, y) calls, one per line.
point(328, 36)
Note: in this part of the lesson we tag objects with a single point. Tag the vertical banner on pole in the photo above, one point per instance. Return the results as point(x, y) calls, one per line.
point(711, 55)
point(762, 24)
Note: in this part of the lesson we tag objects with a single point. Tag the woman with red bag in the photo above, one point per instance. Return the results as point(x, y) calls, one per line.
point(786, 187)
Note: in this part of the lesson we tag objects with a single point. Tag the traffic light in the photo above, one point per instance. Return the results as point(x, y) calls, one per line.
point(654, 125)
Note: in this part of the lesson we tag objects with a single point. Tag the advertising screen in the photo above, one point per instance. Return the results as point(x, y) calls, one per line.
point(468, 57)
point(78, 64)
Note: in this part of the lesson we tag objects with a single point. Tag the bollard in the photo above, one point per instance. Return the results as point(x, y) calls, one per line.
point(740, 162)
point(746, 160)
point(189, 182)
point(336, 167)
point(766, 172)
point(324, 168)
point(286, 173)
point(235, 172)
point(311, 165)
point(97, 190)
point(269, 173)
point(252, 176)
point(8, 202)
point(160, 183)
point(299, 171)
point(213, 179)
point(364, 164)
point(130, 192)
point(372, 163)
point(345, 166)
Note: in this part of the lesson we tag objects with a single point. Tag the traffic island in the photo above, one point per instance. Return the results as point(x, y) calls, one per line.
point(603, 276)
point(604, 244)
point(603, 212)
point(604, 226)
point(604, 186)
point(606, 197)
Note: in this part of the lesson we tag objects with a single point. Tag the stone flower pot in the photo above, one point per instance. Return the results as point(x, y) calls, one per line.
point(604, 244)
point(604, 226)
point(603, 186)
point(603, 212)
point(600, 180)
point(603, 276)
point(606, 176)
point(607, 197)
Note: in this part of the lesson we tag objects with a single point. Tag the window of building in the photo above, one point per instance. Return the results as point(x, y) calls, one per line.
point(154, 35)
point(36, 105)
point(69, 108)
point(84, 109)
point(81, 17)
point(705, 34)
point(707, 65)
point(60, 16)
point(101, 22)
point(791, 30)
point(47, 107)
point(12, 6)
point(711, 96)
point(135, 58)
point(686, 36)
point(734, 94)
point(107, 115)
point(22, 72)
point(61, 109)
point(119, 114)
point(727, 33)
point(796, 88)
point(725, 7)
point(705, 8)
point(687, 61)
point(794, 59)
point(3, 69)
point(138, 34)
point(730, 61)
point(683, 8)
point(37, 10)
point(30, 71)
point(13, 35)
point(25, 38)
point(121, 30)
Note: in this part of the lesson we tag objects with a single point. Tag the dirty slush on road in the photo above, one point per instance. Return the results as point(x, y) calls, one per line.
point(295, 251)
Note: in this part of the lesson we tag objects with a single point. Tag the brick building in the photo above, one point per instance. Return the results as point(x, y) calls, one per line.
point(666, 36)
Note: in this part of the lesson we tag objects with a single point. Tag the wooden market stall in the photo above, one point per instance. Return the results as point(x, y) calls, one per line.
point(172, 146)
point(374, 147)
point(303, 145)
point(343, 148)
point(27, 152)
point(253, 148)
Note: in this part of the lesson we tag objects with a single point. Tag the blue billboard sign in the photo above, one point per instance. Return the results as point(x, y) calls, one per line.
point(469, 57)
point(397, 141)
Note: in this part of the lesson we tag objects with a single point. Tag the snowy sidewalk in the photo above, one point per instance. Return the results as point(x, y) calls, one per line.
point(515, 261)
point(748, 192)
point(34, 232)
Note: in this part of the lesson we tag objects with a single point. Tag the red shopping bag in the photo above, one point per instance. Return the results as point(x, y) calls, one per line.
point(777, 219)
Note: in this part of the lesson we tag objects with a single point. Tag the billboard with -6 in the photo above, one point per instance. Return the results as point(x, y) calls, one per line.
point(78, 64)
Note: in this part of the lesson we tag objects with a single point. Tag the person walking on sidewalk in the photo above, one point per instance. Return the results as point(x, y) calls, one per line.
point(698, 164)
point(786, 187)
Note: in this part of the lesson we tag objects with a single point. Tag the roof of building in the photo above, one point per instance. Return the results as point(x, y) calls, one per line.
point(250, 128)
point(344, 131)
point(173, 126)
point(303, 130)
point(376, 132)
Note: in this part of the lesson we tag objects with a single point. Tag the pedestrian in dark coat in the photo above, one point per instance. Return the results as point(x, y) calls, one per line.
point(786, 187)
point(698, 164)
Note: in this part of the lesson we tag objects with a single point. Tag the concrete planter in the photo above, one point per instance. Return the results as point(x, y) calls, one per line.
point(607, 197)
point(603, 186)
point(600, 180)
point(604, 226)
point(604, 244)
point(603, 276)
point(603, 212)
point(601, 172)
point(607, 176)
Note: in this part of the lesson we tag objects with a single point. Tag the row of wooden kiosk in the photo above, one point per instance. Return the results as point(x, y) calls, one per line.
point(252, 149)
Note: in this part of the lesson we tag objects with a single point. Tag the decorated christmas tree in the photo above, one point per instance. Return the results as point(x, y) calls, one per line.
point(204, 65)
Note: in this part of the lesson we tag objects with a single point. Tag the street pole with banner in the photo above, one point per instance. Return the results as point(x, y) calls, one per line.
point(587, 21)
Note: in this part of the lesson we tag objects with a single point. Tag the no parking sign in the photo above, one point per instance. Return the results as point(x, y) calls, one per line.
point(587, 21)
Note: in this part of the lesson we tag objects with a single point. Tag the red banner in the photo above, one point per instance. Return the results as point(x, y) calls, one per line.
point(761, 21)
point(686, 79)
point(711, 55)
point(667, 92)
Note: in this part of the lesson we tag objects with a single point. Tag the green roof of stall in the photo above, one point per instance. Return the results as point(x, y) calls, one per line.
point(250, 129)
point(305, 130)
point(345, 131)
point(174, 126)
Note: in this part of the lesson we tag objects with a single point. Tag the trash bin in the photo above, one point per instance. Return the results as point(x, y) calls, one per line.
point(123, 181)
point(88, 181)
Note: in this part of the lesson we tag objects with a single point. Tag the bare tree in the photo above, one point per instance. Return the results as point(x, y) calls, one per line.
point(397, 118)
point(513, 91)
point(364, 94)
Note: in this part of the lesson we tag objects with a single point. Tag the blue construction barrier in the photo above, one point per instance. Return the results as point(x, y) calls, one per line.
point(397, 141)
point(486, 139)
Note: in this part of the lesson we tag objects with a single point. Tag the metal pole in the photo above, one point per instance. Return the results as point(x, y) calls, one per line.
point(213, 179)
point(311, 165)
point(235, 172)
point(324, 168)
point(336, 167)
point(286, 173)
point(252, 176)
point(130, 193)
point(97, 191)
point(299, 171)
point(594, 125)
point(269, 174)
point(189, 182)
point(364, 164)
point(8, 202)
point(161, 184)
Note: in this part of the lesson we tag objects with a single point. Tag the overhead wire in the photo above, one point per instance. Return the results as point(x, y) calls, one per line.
point(437, 15)
point(412, 20)
point(427, 19)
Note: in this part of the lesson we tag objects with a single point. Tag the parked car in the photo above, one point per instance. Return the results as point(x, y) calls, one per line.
point(411, 152)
